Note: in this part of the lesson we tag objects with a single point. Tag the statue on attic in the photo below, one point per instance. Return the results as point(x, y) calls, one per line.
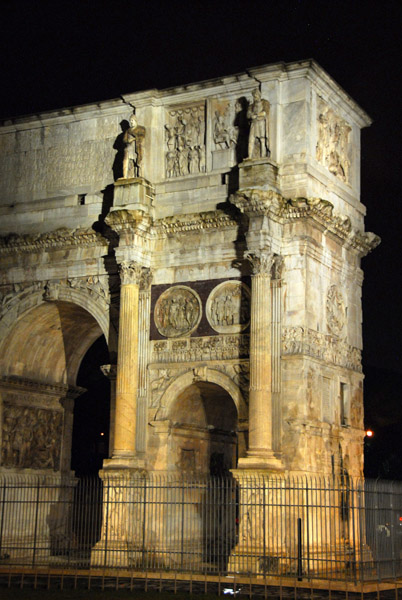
point(258, 115)
point(133, 149)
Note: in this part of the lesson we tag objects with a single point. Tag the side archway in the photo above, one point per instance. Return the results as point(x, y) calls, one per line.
point(203, 374)
point(198, 424)
point(40, 357)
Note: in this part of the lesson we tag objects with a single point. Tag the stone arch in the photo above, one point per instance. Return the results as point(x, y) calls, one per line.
point(202, 374)
point(48, 341)
point(33, 297)
point(197, 428)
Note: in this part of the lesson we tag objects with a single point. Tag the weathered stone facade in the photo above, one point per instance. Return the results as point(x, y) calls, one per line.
point(228, 258)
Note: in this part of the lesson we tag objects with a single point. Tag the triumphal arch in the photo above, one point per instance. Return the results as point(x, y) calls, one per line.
point(212, 233)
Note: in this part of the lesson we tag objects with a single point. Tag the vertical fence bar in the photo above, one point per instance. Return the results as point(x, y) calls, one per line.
point(307, 532)
point(36, 522)
point(3, 508)
point(314, 527)
point(144, 524)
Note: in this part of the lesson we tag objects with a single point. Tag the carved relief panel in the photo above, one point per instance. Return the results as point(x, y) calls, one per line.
point(185, 140)
point(31, 437)
point(333, 148)
point(177, 311)
point(228, 307)
point(336, 311)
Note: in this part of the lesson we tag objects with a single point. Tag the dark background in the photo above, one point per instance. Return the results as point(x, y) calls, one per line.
point(57, 54)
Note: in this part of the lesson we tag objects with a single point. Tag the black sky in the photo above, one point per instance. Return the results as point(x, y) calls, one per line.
point(57, 54)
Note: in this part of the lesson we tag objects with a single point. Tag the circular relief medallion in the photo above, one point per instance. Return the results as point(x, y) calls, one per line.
point(228, 307)
point(177, 311)
point(336, 312)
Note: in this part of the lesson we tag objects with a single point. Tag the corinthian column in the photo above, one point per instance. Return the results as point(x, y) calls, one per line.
point(125, 424)
point(260, 454)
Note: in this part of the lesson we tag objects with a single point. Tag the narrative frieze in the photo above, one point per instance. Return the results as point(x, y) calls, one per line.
point(185, 141)
point(298, 340)
point(177, 311)
point(31, 437)
point(218, 347)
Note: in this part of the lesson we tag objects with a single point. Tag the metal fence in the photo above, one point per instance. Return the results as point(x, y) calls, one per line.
point(338, 529)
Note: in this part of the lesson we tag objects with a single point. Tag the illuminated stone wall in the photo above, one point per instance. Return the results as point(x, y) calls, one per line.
point(243, 231)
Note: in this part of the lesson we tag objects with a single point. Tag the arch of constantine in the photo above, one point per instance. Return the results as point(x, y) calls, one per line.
point(213, 233)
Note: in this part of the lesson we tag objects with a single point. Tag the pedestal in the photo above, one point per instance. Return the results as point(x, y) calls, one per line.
point(258, 172)
point(136, 193)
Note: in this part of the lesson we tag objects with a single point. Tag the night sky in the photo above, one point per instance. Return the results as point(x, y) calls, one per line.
point(57, 54)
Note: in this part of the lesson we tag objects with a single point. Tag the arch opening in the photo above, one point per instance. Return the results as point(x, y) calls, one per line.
point(204, 427)
point(40, 358)
point(48, 343)
point(91, 423)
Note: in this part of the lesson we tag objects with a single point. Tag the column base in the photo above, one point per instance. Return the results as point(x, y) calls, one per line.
point(124, 462)
point(260, 460)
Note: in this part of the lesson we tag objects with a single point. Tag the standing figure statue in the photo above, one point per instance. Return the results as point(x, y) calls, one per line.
point(258, 114)
point(133, 140)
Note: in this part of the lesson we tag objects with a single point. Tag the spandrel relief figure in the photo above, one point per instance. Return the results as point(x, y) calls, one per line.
point(336, 311)
point(333, 143)
point(258, 115)
point(133, 139)
point(185, 141)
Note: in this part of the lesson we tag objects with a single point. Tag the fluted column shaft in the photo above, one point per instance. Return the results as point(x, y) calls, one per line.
point(125, 422)
point(260, 426)
point(260, 453)
point(143, 359)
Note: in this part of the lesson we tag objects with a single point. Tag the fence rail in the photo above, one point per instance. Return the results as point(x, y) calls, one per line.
point(338, 529)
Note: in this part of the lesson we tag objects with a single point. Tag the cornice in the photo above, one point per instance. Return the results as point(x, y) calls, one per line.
point(123, 220)
point(255, 202)
point(204, 221)
point(60, 238)
point(14, 382)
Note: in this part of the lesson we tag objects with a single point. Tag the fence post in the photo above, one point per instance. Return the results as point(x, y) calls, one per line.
point(299, 550)
point(3, 505)
point(144, 523)
point(392, 527)
point(307, 531)
point(106, 518)
point(36, 521)
point(182, 525)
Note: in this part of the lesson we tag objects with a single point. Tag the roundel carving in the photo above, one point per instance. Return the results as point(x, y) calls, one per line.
point(336, 312)
point(177, 311)
point(228, 307)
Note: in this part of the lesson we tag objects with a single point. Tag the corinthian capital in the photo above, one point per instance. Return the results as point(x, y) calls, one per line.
point(130, 272)
point(277, 269)
point(261, 261)
point(145, 279)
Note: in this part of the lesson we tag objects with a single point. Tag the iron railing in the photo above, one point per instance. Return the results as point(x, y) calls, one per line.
point(304, 527)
